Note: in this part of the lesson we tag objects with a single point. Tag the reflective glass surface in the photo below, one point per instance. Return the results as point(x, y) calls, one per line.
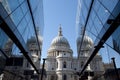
point(19, 22)
point(101, 11)
point(19, 19)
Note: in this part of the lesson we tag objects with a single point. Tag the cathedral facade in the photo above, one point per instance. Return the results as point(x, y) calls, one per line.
point(61, 65)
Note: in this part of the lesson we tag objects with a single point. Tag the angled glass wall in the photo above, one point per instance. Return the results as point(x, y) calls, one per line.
point(15, 17)
point(94, 18)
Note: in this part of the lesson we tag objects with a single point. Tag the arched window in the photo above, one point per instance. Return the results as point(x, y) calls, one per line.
point(37, 52)
point(64, 77)
point(52, 68)
point(57, 53)
point(64, 64)
point(57, 64)
point(82, 64)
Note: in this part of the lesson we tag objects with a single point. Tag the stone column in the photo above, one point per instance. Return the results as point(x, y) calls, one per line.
point(89, 70)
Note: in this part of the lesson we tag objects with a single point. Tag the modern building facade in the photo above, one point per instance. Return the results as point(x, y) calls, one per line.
point(100, 20)
point(18, 67)
point(62, 65)
point(19, 23)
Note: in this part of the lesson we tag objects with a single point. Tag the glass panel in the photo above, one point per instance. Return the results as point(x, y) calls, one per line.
point(88, 2)
point(82, 19)
point(109, 4)
point(103, 14)
point(31, 28)
point(17, 16)
point(116, 40)
point(85, 13)
point(24, 7)
point(96, 5)
point(98, 24)
point(15, 50)
point(26, 34)
point(3, 38)
point(6, 6)
point(22, 26)
point(34, 4)
point(110, 41)
point(12, 5)
point(92, 15)
point(20, 1)
point(89, 24)
point(28, 17)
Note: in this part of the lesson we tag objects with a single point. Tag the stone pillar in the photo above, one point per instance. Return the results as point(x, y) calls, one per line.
point(89, 70)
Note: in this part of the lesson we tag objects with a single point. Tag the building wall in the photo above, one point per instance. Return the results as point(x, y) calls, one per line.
point(55, 69)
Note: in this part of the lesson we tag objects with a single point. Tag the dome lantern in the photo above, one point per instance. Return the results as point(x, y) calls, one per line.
point(60, 31)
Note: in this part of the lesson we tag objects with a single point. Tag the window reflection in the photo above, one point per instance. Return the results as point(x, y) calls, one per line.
point(64, 77)
point(3, 38)
point(64, 64)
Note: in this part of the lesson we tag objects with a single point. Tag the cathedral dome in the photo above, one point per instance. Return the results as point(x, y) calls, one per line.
point(9, 44)
point(34, 40)
point(60, 40)
point(87, 41)
point(59, 46)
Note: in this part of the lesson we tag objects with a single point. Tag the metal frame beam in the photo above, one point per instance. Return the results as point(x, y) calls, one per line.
point(28, 1)
point(85, 26)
